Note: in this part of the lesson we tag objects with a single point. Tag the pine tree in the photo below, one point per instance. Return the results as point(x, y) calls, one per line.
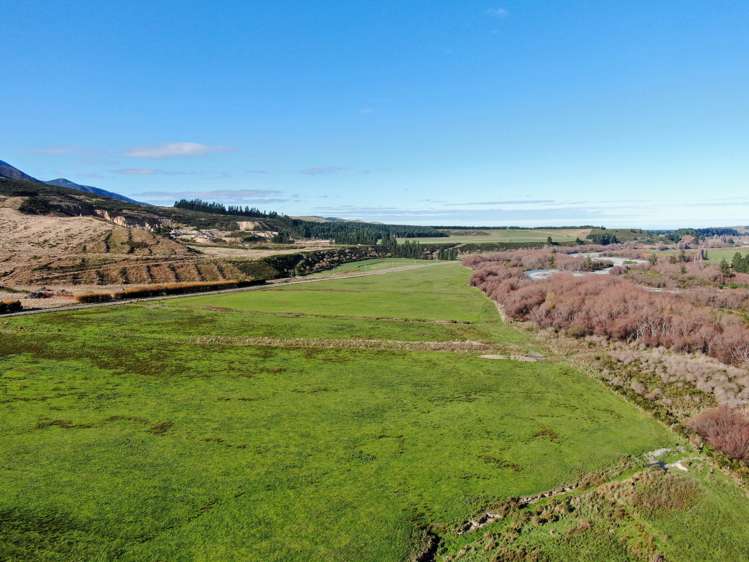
point(725, 268)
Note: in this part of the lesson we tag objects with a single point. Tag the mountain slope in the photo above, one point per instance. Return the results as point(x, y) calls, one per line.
point(10, 172)
point(63, 182)
point(13, 173)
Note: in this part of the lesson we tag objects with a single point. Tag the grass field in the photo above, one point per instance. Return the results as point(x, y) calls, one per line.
point(714, 255)
point(262, 426)
point(371, 265)
point(718, 254)
point(490, 235)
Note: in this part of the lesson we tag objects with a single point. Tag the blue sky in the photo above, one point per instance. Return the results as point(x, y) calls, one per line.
point(522, 112)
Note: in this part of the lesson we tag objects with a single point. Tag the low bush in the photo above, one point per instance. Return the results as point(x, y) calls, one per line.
point(163, 289)
point(684, 275)
point(726, 429)
point(10, 306)
point(86, 298)
point(609, 306)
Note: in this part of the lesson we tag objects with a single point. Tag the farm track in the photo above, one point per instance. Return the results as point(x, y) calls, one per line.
point(269, 285)
point(358, 344)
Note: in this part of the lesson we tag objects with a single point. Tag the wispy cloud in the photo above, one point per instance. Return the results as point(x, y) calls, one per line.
point(612, 213)
point(513, 202)
point(149, 172)
point(322, 170)
point(558, 213)
point(176, 149)
point(486, 214)
point(497, 13)
point(55, 150)
point(255, 196)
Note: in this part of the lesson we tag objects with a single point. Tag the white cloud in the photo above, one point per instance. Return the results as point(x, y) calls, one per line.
point(629, 213)
point(322, 170)
point(176, 149)
point(497, 12)
point(505, 202)
point(148, 172)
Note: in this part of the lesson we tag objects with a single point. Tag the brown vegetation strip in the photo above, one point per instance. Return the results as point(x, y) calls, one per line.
point(614, 308)
point(222, 309)
point(376, 345)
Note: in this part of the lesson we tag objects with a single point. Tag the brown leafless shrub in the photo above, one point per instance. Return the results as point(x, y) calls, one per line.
point(733, 299)
point(678, 274)
point(611, 307)
point(726, 429)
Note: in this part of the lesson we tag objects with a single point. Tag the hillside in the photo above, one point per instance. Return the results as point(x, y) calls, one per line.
point(9, 172)
point(63, 182)
point(66, 241)
point(13, 173)
point(63, 238)
point(57, 243)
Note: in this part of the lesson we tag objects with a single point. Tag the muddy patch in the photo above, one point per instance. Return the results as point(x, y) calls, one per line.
point(161, 428)
point(63, 424)
point(529, 358)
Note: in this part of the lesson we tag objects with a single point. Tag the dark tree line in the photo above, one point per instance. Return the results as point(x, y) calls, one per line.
point(447, 254)
point(408, 249)
point(718, 231)
point(603, 238)
point(349, 232)
point(412, 249)
point(342, 232)
point(221, 209)
point(678, 234)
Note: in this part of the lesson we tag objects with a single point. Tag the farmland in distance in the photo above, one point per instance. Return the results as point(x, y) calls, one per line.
point(504, 235)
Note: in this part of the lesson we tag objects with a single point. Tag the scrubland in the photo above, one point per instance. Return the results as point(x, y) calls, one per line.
point(671, 334)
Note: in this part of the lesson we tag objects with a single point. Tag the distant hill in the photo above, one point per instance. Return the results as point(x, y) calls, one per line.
point(63, 197)
point(43, 198)
point(311, 218)
point(62, 182)
point(12, 173)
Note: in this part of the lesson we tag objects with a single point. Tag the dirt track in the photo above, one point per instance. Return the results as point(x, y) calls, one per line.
point(359, 344)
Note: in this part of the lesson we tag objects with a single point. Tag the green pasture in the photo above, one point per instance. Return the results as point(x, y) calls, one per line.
point(371, 265)
point(718, 254)
point(152, 431)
